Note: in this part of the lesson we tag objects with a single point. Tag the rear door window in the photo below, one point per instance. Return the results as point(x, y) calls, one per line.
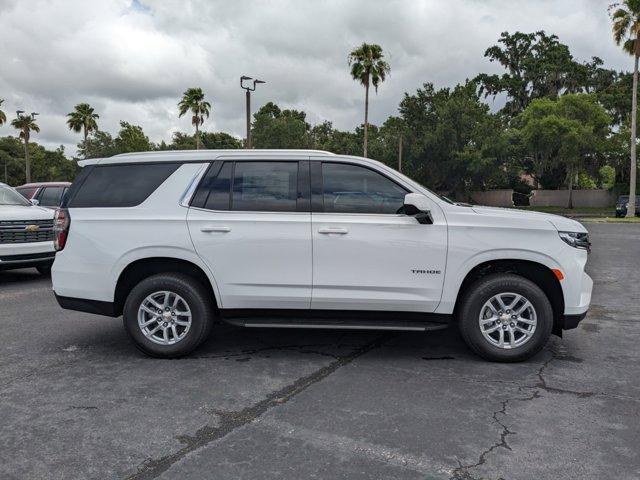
point(120, 185)
point(51, 196)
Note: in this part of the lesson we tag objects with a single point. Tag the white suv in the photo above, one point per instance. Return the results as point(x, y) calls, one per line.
point(26, 233)
point(284, 238)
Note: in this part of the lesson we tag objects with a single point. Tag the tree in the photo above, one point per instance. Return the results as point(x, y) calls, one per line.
point(368, 68)
point(211, 140)
point(537, 65)
point(83, 119)
point(26, 124)
point(626, 31)
point(564, 134)
point(275, 128)
point(453, 142)
point(131, 138)
point(3, 117)
point(193, 101)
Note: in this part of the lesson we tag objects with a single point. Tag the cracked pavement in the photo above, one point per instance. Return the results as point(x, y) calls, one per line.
point(78, 401)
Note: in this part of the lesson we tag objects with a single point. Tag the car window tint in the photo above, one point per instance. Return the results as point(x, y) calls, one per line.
point(26, 192)
point(219, 188)
point(353, 189)
point(265, 186)
point(51, 196)
point(120, 185)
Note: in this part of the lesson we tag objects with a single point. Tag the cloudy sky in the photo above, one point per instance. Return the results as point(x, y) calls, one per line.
point(132, 60)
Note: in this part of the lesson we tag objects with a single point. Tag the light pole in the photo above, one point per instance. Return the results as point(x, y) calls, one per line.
point(249, 88)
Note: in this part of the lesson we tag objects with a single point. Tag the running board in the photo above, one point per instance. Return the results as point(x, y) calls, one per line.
point(332, 323)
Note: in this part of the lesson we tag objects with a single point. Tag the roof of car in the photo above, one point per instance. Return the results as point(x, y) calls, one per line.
point(198, 155)
point(45, 184)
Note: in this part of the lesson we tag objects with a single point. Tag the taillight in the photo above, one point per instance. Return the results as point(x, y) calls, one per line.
point(61, 222)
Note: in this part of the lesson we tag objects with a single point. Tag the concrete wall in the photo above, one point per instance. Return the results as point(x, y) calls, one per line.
point(493, 198)
point(581, 198)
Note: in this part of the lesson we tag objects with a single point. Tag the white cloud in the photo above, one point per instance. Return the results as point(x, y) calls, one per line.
point(132, 60)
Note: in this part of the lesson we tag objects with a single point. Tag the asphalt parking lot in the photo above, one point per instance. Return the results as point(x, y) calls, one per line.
point(78, 401)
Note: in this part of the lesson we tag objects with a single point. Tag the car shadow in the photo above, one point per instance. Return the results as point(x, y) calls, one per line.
point(24, 275)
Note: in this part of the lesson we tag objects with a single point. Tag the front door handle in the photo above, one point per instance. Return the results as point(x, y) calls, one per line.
point(330, 230)
point(222, 229)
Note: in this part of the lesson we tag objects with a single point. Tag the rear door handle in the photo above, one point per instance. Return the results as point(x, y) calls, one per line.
point(222, 229)
point(330, 230)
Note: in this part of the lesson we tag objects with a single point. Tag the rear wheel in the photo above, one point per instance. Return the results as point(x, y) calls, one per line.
point(44, 269)
point(168, 315)
point(505, 318)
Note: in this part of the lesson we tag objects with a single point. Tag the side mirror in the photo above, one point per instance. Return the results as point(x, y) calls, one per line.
point(35, 202)
point(417, 206)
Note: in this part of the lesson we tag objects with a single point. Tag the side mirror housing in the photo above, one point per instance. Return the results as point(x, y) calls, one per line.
point(417, 206)
point(35, 202)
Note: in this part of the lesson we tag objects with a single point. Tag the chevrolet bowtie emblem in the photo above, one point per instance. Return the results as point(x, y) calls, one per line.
point(32, 228)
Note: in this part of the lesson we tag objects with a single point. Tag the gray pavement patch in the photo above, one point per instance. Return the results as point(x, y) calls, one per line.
point(230, 421)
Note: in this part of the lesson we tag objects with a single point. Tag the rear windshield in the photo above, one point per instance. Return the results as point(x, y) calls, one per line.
point(119, 185)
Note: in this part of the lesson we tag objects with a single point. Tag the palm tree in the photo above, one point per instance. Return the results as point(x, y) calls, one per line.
point(193, 100)
point(368, 68)
point(626, 31)
point(26, 124)
point(3, 117)
point(83, 119)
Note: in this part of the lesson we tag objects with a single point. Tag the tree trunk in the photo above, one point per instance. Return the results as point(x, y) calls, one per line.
point(570, 205)
point(85, 142)
point(27, 163)
point(197, 137)
point(366, 116)
point(631, 209)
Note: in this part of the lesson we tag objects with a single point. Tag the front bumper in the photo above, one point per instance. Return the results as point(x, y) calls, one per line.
point(30, 256)
point(571, 321)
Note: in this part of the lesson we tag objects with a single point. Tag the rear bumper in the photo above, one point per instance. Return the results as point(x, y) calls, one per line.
point(88, 306)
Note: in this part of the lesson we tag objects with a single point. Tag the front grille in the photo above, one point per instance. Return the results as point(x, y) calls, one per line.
point(15, 231)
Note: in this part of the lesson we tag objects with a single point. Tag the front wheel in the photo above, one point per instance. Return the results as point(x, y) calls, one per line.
point(168, 315)
point(505, 318)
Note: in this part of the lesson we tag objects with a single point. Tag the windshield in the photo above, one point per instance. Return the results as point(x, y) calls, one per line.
point(8, 196)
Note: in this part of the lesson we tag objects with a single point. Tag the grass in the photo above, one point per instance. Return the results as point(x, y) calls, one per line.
point(610, 220)
point(594, 211)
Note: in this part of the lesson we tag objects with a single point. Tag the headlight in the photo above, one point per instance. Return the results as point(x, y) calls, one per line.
point(576, 239)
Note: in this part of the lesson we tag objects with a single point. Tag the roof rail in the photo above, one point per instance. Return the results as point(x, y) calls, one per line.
point(225, 152)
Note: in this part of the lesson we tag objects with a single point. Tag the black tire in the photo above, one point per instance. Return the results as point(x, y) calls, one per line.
point(196, 296)
point(480, 292)
point(44, 269)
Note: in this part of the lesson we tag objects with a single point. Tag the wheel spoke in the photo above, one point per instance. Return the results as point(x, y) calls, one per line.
point(151, 332)
point(149, 322)
point(515, 301)
point(182, 323)
point(524, 306)
point(512, 338)
point(500, 302)
point(522, 330)
point(492, 329)
point(501, 338)
point(167, 297)
point(485, 321)
point(526, 320)
point(153, 302)
point(174, 331)
point(183, 314)
point(148, 310)
point(165, 335)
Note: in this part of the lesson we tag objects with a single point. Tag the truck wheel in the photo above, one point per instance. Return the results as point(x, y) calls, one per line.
point(168, 315)
point(44, 269)
point(505, 318)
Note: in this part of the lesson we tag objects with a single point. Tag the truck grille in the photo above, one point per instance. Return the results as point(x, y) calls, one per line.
point(22, 231)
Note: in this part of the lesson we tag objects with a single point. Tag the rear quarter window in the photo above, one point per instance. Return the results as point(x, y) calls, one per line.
point(119, 185)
